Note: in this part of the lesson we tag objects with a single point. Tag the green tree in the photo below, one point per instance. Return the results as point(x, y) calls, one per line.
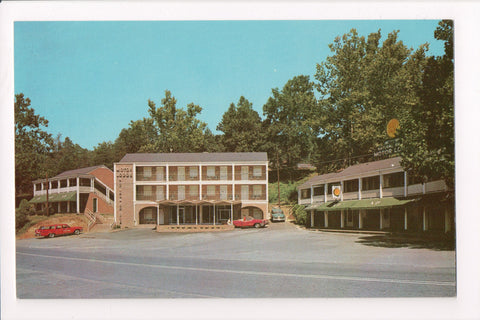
point(177, 130)
point(241, 127)
point(428, 145)
point(362, 86)
point(291, 124)
point(136, 137)
point(32, 144)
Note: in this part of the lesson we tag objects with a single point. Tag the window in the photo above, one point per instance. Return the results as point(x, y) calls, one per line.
point(257, 171)
point(305, 193)
point(147, 190)
point(350, 185)
point(147, 172)
point(393, 180)
point(159, 193)
point(193, 172)
point(95, 205)
point(257, 191)
point(193, 191)
point(38, 186)
point(59, 227)
point(73, 182)
point(223, 173)
point(210, 172)
point(63, 183)
point(181, 174)
point(319, 191)
point(210, 190)
point(371, 183)
point(54, 184)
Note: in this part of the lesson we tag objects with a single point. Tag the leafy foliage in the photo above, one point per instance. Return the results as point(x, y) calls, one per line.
point(300, 214)
point(21, 214)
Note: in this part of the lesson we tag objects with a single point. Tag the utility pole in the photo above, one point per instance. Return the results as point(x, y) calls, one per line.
point(278, 179)
point(48, 207)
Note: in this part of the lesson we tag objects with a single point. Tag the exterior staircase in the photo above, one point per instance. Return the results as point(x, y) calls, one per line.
point(98, 222)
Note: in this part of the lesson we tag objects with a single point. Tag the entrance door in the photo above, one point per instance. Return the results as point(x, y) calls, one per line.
point(181, 215)
point(161, 216)
point(244, 173)
point(244, 192)
point(224, 215)
point(223, 173)
point(181, 192)
point(223, 192)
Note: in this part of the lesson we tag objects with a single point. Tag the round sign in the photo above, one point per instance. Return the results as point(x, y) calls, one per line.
point(336, 192)
point(392, 127)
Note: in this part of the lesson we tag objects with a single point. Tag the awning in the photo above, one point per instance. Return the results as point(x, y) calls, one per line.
point(55, 197)
point(197, 202)
point(376, 203)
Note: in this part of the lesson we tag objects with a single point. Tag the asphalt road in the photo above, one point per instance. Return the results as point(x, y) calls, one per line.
point(281, 261)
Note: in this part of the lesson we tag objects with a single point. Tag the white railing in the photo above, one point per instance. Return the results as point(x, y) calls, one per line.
point(92, 218)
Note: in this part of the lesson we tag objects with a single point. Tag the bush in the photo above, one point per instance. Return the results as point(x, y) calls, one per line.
point(288, 192)
point(300, 214)
point(21, 214)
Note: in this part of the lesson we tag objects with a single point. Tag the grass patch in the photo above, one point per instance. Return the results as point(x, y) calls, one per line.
point(32, 220)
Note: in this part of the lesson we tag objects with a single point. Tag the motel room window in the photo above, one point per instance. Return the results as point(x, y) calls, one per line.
point(193, 191)
point(319, 191)
point(181, 174)
point(350, 185)
point(393, 180)
point(257, 172)
point(210, 191)
point(210, 172)
point(38, 186)
point(147, 190)
point(73, 182)
point(159, 193)
point(193, 172)
point(371, 183)
point(257, 191)
point(63, 183)
point(54, 184)
point(147, 172)
point(305, 193)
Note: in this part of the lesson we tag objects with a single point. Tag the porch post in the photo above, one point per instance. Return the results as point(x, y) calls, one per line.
point(214, 214)
point(231, 212)
point(59, 207)
point(381, 186)
point(325, 217)
point(381, 219)
point(158, 215)
point(360, 221)
point(178, 215)
point(406, 220)
point(68, 206)
point(196, 214)
point(342, 219)
point(359, 188)
point(312, 218)
point(448, 226)
point(425, 222)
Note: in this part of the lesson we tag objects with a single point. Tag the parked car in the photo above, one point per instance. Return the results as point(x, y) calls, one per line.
point(277, 215)
point(249, 221)
point(54, 230)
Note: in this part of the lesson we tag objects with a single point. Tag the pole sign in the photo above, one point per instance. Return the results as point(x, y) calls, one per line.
point(336, 192)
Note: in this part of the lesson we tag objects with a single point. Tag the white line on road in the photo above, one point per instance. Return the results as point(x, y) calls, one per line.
point(256, 273)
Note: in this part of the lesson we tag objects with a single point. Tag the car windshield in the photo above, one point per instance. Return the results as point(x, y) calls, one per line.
point(43, 228)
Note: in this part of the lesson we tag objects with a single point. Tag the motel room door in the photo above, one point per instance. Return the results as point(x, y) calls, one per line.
point(223, 192)
point(161, 216)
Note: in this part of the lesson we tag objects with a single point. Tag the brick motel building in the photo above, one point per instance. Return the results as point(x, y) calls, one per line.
point(190, 191)
point(378, 195)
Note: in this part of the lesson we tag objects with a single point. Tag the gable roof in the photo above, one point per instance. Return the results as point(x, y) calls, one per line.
point(195, 157)
point(355, 170)
point(79, 171)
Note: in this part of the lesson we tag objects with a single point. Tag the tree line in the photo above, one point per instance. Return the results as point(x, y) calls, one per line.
point(337, 119)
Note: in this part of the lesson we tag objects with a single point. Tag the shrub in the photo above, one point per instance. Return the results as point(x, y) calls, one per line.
point(300, 214)
point(22, 213)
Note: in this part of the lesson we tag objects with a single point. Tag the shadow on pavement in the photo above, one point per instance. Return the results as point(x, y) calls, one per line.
point(412, 241)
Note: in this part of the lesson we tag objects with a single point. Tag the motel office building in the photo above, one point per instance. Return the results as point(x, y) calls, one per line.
point(190, 188)
point(378, 195)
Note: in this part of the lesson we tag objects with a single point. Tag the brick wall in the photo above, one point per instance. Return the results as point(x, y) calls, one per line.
point(124, 195)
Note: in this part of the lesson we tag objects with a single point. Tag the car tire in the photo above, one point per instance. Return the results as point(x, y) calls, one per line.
point(77, 232)
point(51, 235)
point(257, 225)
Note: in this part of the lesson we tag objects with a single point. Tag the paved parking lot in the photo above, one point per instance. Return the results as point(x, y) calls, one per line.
point(281, 260)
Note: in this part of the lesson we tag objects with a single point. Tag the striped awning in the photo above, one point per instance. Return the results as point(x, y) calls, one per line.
point(376, 203)
point(55, 197)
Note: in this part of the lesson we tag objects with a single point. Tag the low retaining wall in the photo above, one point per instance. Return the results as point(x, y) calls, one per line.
point(194, 228)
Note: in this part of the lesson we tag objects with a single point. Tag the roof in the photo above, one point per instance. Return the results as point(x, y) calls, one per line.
point(196, 157)
point(73, 173)
point(355, 170)
point(55, 197)
point(375, 203)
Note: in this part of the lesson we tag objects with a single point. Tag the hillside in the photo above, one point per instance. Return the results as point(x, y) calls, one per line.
point(70, 219)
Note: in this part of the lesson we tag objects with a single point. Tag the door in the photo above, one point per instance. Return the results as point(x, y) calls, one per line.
point(181, 215)
point(223, 173)
point(161, 216)
point(223, 192)
point(181, 192)
point(244, 173)
point(181, 174)
point(244, 192)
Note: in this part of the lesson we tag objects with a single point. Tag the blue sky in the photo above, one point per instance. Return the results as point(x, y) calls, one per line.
point(89, 79)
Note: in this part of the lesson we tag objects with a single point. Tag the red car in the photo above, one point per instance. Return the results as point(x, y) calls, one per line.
point(249, 221)
point(54, 230)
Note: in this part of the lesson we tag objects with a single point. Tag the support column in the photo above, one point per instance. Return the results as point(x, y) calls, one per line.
point(448, 225)
point(342, 219)
point(405, 183)
point(214, 214)
point(359, 188)
point(406, 219)
point(425, 221)
point(381, 219)
point(158, 215)
point(231, 212)
point(360, 220)
point(325, 192)
point(381, 186)
point(178, 215)
point(325, 217)
point(312, 218)
point(68, 206)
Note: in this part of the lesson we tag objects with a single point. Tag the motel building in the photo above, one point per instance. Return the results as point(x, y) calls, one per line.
point(378, 195)
point(76, 191)
point(190, 191)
